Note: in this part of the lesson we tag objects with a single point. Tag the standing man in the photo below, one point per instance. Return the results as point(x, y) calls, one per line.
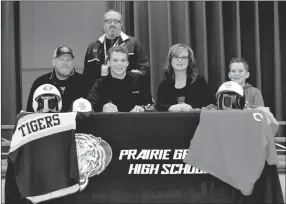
point(63, 76)
point(95, 63)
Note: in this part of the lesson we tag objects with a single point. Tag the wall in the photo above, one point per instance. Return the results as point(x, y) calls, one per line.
point(46, 25)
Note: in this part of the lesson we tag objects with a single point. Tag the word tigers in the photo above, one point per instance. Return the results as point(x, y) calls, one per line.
point(39, 124)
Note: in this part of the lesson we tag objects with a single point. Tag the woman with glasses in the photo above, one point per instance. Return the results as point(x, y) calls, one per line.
point(184, 89)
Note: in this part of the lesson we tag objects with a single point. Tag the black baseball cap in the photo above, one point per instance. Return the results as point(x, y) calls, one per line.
point(63, 50)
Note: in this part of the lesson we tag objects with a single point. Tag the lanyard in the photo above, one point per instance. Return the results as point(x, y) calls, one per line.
point(105, 51)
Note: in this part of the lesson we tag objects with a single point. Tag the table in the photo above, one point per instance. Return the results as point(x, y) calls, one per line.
point(169, 132)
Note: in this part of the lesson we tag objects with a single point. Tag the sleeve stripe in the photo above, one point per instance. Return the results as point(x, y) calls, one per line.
point(54, 194)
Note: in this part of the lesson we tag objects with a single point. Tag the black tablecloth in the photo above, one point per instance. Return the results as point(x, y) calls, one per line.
point(159, 131)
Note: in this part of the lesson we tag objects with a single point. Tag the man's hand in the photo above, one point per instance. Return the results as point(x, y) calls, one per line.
point(136, 71)
point(109, 108)
point(137, 109)
point(185, 107)
point(175, 108)
point(181, 107)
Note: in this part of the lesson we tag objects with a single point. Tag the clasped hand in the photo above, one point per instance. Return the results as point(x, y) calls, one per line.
point(137, 109)
point(136, 71)
point(109, 107)
point(181, 107)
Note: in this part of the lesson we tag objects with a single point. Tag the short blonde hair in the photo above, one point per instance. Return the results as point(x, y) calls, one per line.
point(120, 48)
point(239, 60)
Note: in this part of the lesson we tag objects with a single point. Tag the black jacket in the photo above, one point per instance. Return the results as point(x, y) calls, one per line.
point(196, 94)
point(73, 88)
point(125, 93)
point(95, 57)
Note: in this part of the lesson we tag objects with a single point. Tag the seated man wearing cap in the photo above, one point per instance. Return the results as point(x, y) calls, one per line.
point(63, 76)
point(118, 91)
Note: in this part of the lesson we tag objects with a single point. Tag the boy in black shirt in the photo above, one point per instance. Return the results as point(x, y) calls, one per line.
point(118, 91)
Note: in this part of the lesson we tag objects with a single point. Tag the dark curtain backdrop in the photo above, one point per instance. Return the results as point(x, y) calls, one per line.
point(217, 32)
point(10, 67)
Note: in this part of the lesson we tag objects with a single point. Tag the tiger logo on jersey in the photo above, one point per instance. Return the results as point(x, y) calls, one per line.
point(94, 154)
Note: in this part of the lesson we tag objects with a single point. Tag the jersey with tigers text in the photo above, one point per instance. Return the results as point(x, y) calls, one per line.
point(43, 153)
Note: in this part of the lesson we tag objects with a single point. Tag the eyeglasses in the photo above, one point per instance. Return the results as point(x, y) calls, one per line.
point(183, 58)
point(109, 21)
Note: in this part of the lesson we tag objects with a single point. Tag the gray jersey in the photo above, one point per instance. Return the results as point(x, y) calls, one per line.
point(233, 146)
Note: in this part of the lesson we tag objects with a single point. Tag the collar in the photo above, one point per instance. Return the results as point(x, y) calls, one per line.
point(123, 36)
point(53, 74)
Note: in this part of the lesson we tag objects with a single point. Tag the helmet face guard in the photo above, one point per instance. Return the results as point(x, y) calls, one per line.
point(230, 100)
point(230, 95)
point(47, 103)
point(47, 98)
